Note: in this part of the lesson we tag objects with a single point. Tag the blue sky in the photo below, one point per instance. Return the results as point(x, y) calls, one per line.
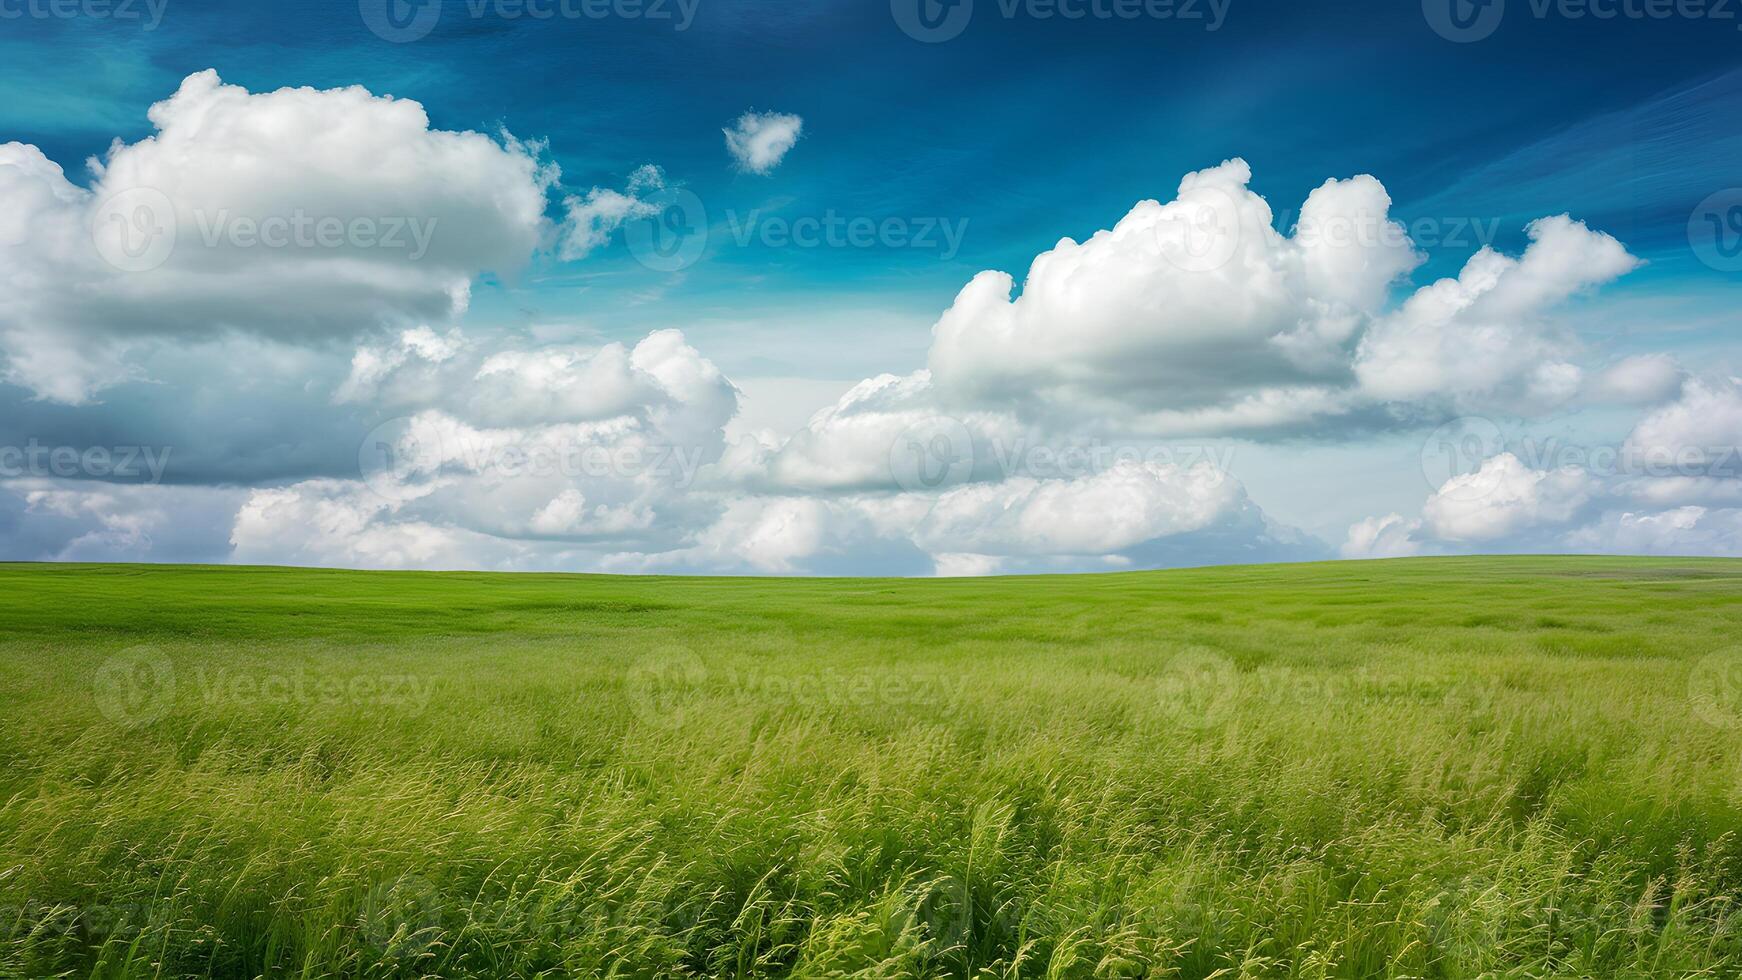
point(1029, 129)
point(1020, 130)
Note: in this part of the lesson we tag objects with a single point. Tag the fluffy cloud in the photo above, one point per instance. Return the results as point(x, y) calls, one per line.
point(1680, 531)
point(758, 141)
point(662, 381)
point(297, 214)
point(1701, 428)
point(884, 433)
point(1390, 536)
point(1192, 305)
point(594, 216)
point(521, 456)
point(1102, 513)
point(1484, 337)
point(1645, 379)
point(331, 522)
point(344, 523)
point(1687, 452)
point(1504, 496)
point(1197, 317)
point(768, 535)
point(371, 367)
point(1672, 487)
point(1131, 514)
point(966, 566)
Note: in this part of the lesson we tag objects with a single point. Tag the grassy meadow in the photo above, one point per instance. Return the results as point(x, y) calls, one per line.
point(1499, 767)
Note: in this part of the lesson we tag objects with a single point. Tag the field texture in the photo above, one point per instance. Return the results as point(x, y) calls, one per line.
point(1427, 768)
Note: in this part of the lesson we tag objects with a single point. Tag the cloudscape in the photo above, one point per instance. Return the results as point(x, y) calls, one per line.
point(850, 290)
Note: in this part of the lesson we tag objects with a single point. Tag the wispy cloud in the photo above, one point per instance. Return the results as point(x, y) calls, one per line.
point(758, 141)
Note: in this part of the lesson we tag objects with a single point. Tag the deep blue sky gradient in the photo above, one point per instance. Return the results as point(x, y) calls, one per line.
point(1029, 129)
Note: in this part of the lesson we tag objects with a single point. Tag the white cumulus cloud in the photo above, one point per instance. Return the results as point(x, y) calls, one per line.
point(1504, 496)
point(1390, 536)
point(1485, 337)
point(1127, 505)
point(1644, 379)
point(594, 216)
point(298, 214)
point(758, 141)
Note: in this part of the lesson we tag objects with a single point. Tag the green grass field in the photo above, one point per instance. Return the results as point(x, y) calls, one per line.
point(1424, 768)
